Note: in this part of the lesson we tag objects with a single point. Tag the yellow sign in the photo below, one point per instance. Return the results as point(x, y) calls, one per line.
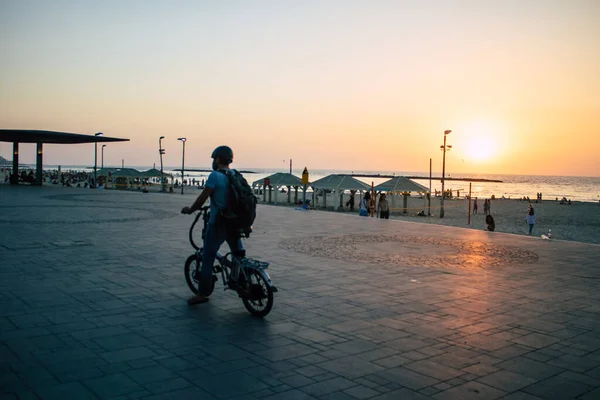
point(305, 176)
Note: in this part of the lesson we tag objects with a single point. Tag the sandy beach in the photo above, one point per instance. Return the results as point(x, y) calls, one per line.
point(578, 222)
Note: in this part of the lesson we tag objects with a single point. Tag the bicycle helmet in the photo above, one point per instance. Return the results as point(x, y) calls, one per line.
point(224, 153)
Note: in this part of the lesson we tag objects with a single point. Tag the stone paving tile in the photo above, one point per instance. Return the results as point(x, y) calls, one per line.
point(404, 394)
point(111, 322)
point(411, 379)
point(328, 386)
point(188, 393)
point(507, 381)
point(520, 396)
point(350, 367)
point(434, 370)
point(573, 363)
point(112, 385)
point(557, 388)
point(594, 394)
point(66, 390)
point(470, 390)
point(293, 394)
point(530, 368)
point(361, 392)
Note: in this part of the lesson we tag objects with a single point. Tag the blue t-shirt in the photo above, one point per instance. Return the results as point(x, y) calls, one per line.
point(219, 183)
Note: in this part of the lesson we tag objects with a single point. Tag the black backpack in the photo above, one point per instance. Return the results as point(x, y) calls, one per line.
point(240, 212)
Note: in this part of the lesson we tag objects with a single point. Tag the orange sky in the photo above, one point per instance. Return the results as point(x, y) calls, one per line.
point(347, 85)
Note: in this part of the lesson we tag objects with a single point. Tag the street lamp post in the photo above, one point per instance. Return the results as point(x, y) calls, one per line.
point(182, 161)
point(102, 164)
point(161, 151)
point(444, 148)
point(96, 158)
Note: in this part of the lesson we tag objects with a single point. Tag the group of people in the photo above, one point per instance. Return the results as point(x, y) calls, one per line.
point(190, 182)
point(55, 177)
point(381, 208)
point(564, 200)
point(487, 206)
point(487, 210)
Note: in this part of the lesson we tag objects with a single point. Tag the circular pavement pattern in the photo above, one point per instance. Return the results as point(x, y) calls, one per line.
point(411, 251)
point(77, 214)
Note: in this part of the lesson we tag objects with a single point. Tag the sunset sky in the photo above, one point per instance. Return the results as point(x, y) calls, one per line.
point(354, 85)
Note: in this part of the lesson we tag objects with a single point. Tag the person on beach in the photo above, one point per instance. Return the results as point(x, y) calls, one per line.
point(475, 206)
point(365, 204)
point(383, 208)
point(490, 207)
point(530, 218)
point(350, 201)
point(491, 225)
point(217, 188)
point(485, 207)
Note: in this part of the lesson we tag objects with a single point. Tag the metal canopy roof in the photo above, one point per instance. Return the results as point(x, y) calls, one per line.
point(401, 184)
point(340, 182)
point(280, 179)
point(34, 136)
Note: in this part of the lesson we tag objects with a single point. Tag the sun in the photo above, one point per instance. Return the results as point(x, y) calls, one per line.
point(481, 149)
point(481, 141)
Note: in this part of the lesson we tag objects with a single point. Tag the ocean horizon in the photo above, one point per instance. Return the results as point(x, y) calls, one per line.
point(576, 188)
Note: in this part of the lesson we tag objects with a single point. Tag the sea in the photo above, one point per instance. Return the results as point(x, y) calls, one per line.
point(575, 188)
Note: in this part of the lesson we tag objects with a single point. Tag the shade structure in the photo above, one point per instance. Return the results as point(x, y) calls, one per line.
point(152, 173)
point(340, 182)
point(105, 171)
point(401, 184)
point(278, 180)
point(126, 173)
point(337, 184)
point(37, 136)
point(40, 137)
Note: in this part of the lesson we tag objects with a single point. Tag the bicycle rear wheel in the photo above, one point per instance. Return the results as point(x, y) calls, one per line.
point(257, 294)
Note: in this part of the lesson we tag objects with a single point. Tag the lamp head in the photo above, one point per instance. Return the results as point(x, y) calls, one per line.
point(449, 146)
point(162, 137)
point(447, 132)
point(103, 146)
point(182, 139)
point(99, 134)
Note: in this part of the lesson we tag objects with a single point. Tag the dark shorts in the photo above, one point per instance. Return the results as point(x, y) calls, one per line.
point(384, 214)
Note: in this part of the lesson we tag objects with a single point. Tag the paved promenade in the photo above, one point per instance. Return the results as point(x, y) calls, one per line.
point(92, 306)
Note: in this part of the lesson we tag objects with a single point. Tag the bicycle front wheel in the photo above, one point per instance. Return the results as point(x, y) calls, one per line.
point(193, 265)
point(192, 268)
point(257, 294)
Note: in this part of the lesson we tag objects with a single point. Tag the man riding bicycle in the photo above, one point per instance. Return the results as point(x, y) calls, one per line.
point(217, 188)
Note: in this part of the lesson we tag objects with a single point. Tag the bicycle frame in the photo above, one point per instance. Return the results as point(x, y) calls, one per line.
point(226, 262)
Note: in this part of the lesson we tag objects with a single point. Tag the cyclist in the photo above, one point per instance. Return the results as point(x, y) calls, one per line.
point(217, 188)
